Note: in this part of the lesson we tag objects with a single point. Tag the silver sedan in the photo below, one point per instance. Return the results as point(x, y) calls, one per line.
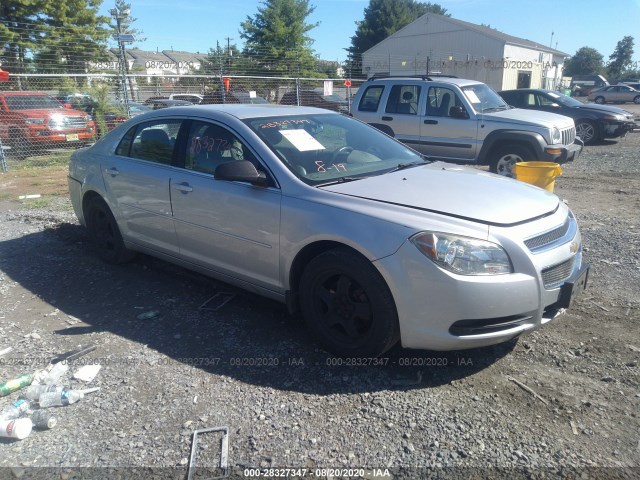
point(615, 94)
point(369, 241)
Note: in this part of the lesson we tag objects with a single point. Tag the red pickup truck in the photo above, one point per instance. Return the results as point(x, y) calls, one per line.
point(35, 120)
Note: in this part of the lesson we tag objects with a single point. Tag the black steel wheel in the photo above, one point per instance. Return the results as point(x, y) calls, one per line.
point(104, 232)
point(347, 305)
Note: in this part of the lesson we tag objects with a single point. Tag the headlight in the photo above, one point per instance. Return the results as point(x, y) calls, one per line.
point(555, 136)
point(35, 121)
point(463, 255)
point(615, 117)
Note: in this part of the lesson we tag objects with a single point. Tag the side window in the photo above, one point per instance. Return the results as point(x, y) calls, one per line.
point(440, 100)
point(544, 101)
point(403, 99)
point(210, 145)
point(371, 99)
point(155, 141)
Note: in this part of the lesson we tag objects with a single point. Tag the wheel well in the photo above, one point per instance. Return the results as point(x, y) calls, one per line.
point(303, 257)
point(500, 145)
point(88, 197)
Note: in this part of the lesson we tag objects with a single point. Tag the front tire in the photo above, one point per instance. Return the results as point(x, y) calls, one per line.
point(636, 99)
point(503, 160)
point(104, 232)
point(587, 131)
point(347, 305)
point(599, 100)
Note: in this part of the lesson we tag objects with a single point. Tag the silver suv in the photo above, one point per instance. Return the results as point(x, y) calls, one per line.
point(464, 121)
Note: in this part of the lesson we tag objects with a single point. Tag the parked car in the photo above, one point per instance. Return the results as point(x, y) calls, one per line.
point(234, 96)
point(166, 103)
point(35, 120)
point(368, 240)
point(464, 121)
point(150, 100)
point(635, 85)
point(194, 98)
point(583, 85)
point(615, 94)
point(593, 122)
point(313, 98)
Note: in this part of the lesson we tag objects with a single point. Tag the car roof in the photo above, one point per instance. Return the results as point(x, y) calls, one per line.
point(16, 94)
point(241, 111)
point(461, 82)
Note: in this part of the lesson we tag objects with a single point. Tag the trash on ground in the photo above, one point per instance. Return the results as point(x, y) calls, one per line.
point(18, 429)
point(224, 451)
point(15, 410)
point(222, 299)
point(148, 315)
point(5, 351)
point(89, 390)
point(55, 396)
point(14, 384)
point(73, 354)
point(87, 373)
point(44, 420)
point(27, 197)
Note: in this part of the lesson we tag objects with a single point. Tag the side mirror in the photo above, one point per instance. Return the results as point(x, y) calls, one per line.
point(555, 105)
point(67, 105)
point(241, 171)
point(458, 112)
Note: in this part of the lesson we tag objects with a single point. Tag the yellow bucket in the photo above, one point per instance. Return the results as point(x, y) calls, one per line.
point(540, 174)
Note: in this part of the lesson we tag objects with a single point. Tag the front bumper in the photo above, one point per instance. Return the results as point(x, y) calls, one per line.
point(617, 129)
point(439, 310)
point(563, 153)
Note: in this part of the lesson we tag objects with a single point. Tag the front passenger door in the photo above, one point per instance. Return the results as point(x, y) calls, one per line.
point(232, 228)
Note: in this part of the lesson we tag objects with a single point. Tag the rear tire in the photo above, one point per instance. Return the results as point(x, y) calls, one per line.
point(347, 305)
point(104, 232)
point(503, 160)
point(599, 100)
point(636, 99)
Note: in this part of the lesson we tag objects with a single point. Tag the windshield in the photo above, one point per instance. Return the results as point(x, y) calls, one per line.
point(483, 98)
point(565, 100)
point(31, 102)
point(323, 149)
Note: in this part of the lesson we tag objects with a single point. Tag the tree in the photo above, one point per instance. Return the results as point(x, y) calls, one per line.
point(74, 35)
point(586, 61)
point(123, 10)
point(620, 58)
point(383, 18)
point(18, 32)
point(277, 39)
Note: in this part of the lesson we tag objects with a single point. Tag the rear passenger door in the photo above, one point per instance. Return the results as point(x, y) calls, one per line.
point(400, 112)
point(137, 179)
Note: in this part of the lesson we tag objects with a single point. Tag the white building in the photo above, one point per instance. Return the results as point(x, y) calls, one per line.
point(437, 44)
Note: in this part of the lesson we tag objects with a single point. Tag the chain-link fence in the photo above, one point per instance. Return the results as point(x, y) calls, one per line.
point(44, 117)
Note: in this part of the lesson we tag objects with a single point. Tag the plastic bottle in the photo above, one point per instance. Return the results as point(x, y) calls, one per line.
point(59, 397)
point(15, 384)
point(15, 410)
point(33, 392)
point(56, 372)
point(20, 428)
point(42, 419)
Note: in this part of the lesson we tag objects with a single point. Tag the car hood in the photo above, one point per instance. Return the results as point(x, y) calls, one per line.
point(455, 191)
point(520, 116)
point(47, 112)
point(604, 109)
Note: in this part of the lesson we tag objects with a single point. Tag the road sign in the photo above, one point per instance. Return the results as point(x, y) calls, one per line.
point(347, 83)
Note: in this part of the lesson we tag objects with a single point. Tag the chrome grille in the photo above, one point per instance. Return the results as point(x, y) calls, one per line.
point(548, 238)
point(555, 276)
point(568, 135)
point(75, 122)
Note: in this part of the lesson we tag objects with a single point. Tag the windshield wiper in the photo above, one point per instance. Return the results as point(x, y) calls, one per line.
point(493, 109)
point(340, 180)
point(403, 166)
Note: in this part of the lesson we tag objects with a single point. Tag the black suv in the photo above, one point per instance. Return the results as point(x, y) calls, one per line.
point(593, 122)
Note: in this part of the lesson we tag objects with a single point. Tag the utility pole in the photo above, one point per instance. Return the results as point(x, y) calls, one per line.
point(229, 54)
point(222, 89)
point(124, 67)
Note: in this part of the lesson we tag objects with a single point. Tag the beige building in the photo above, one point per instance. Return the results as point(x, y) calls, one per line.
point(437, 44)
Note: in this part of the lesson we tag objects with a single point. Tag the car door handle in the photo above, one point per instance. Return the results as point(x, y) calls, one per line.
point(183, 187)
point(430, 122)
point(388, 119)
point(113, 171)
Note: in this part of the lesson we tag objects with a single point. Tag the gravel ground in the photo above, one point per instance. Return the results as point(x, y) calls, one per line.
point(288, 404)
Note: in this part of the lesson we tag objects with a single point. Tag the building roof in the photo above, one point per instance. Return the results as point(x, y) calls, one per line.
point(493, 33)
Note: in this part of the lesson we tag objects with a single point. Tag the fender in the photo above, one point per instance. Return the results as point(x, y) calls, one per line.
point(498, 138)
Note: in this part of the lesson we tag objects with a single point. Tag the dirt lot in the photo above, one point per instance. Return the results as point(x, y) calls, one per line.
point(287, 403)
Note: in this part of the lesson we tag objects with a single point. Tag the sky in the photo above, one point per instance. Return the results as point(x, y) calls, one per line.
point(196, 25)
